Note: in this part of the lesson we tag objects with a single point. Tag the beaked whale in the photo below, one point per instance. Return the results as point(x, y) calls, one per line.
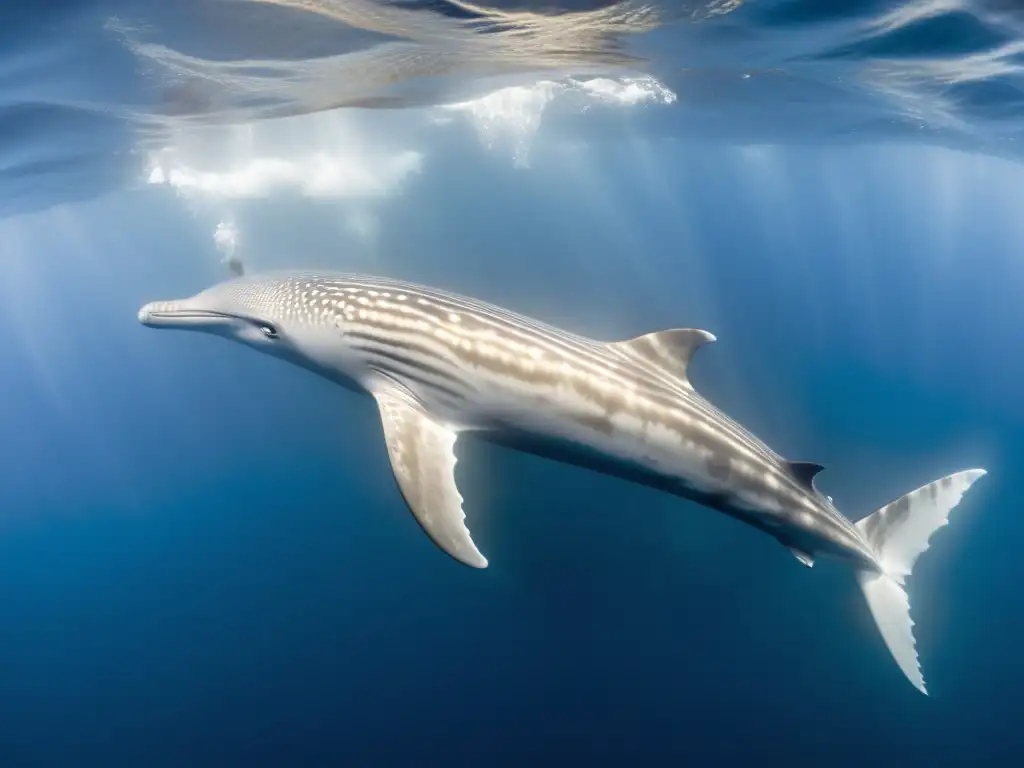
point(441, 365)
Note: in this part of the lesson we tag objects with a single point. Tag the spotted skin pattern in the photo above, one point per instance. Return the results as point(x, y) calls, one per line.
point(625, 408)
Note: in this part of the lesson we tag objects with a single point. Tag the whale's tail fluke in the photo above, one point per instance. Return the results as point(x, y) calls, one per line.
point(899, 533)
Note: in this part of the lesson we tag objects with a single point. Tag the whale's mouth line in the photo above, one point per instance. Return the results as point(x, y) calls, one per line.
point(154, 316)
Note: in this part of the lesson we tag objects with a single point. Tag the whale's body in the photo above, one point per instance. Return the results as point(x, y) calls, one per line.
point(441, 365)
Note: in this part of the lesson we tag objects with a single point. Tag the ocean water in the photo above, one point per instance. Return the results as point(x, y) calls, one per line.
point(204, 560)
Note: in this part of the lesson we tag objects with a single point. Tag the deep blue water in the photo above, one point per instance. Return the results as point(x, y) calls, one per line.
point(204, 560)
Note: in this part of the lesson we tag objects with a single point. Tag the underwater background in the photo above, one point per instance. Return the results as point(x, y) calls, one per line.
point(204, 559)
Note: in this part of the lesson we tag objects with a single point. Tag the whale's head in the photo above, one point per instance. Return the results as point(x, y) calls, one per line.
point(285, 315)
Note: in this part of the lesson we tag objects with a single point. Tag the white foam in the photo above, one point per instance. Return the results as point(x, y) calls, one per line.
point(322, 174)
point(225, 237)
point(513, 115)
point(628, 92)
point(357, 163)
point(510, 114)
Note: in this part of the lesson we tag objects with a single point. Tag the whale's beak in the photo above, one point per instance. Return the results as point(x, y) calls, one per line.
point(180, 314)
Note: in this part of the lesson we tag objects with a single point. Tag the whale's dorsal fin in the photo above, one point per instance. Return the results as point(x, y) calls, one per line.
point(804, 473)
point(669, 350)
point(422, 455)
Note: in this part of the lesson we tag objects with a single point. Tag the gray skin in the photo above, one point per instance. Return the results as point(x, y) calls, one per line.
point(622, 408)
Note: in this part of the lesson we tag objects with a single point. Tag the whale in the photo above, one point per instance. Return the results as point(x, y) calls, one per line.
point(443, 367)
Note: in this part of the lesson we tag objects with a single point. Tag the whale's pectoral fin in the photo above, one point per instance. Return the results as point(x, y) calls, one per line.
point(423, 459)
point(669, 350)
point(804, 557)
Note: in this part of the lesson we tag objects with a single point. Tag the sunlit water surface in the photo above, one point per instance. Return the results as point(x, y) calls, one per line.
point(203, 556)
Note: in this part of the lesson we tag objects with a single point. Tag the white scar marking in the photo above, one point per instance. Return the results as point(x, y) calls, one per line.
point(626, 422)
point(659, 433)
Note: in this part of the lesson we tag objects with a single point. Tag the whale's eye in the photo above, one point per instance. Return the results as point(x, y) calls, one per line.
point(268, 330)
